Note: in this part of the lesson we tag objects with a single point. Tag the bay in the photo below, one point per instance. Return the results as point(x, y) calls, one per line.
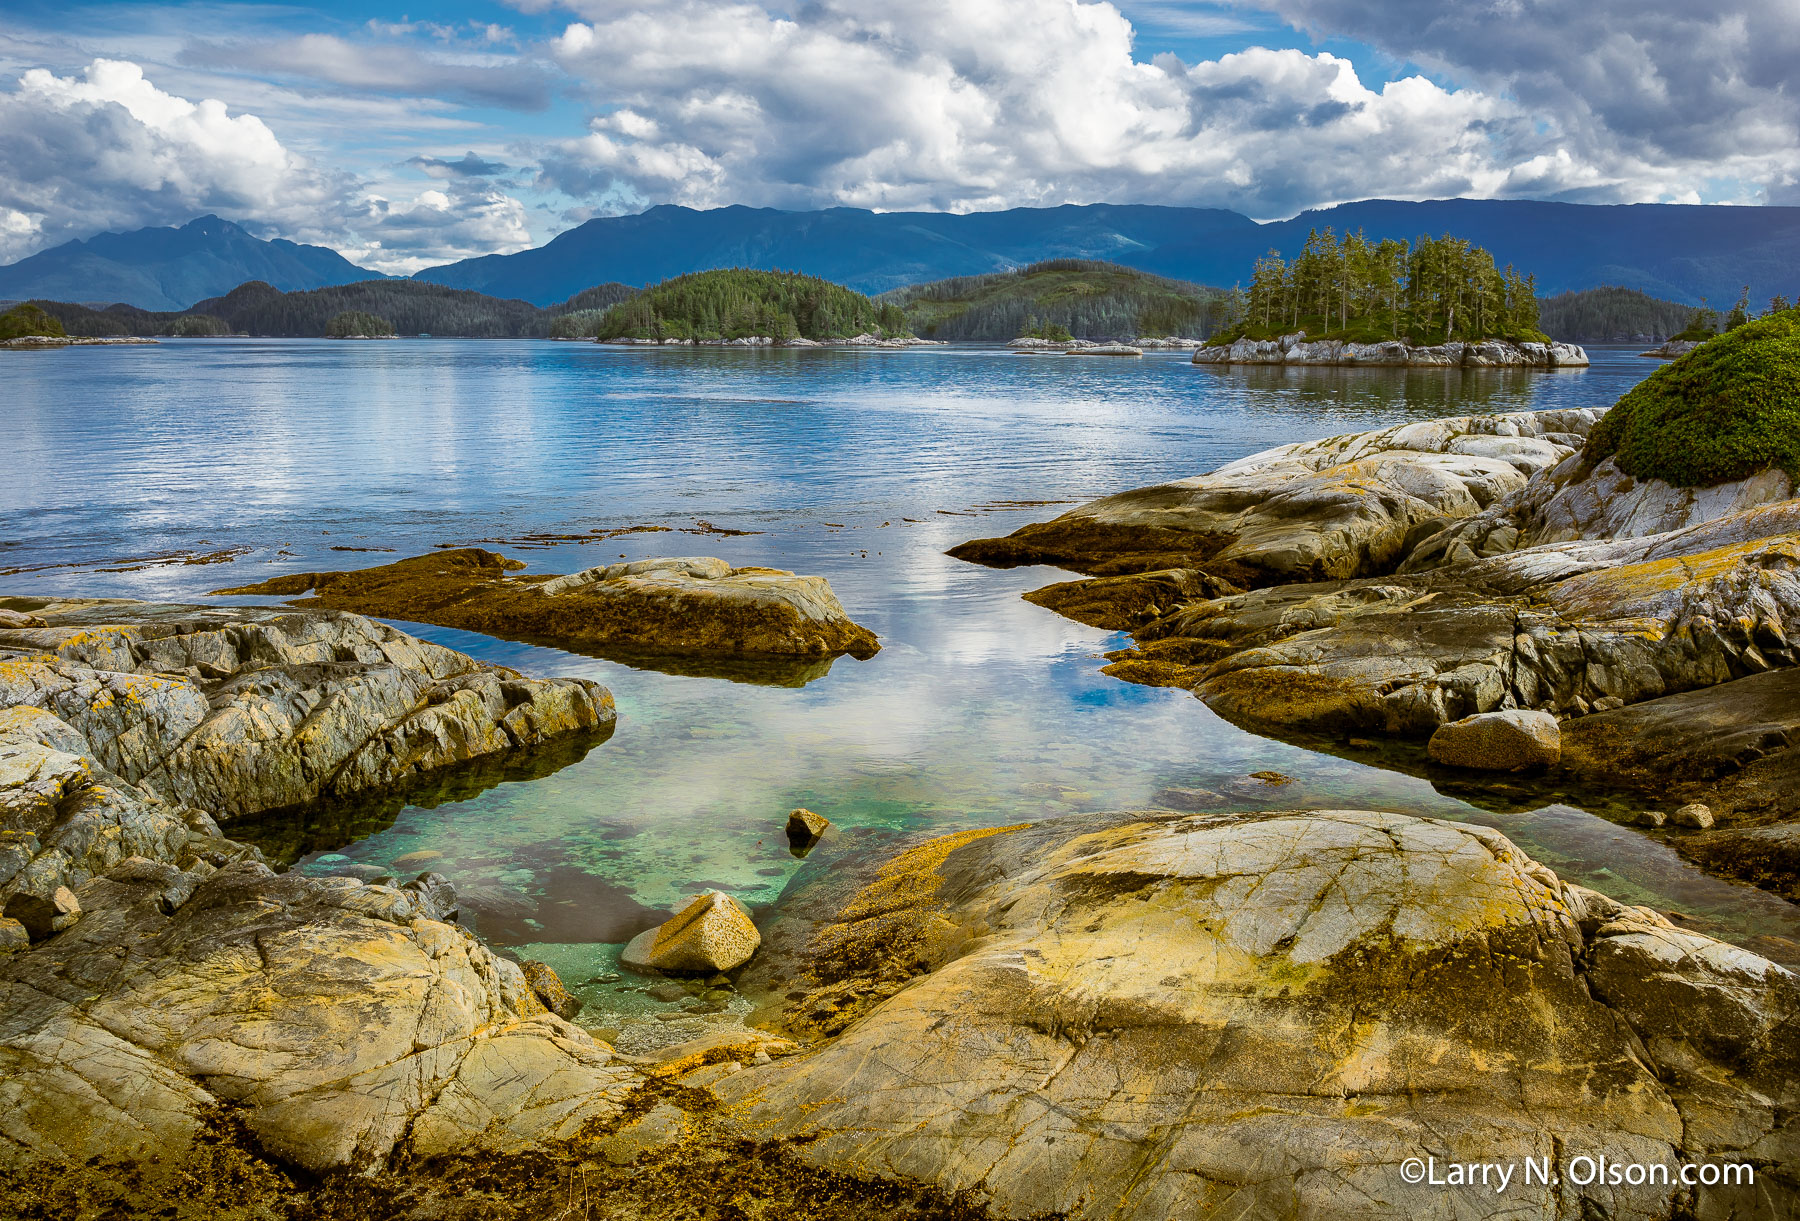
point(859, 465)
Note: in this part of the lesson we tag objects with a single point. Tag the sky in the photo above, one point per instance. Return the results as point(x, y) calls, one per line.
point(405, 135)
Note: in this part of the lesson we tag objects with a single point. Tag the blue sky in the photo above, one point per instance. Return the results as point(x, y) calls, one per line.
point(405, 136)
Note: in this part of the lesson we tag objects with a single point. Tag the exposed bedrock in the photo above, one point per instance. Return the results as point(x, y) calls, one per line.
point(694, 605)
point(134, 729)
point(1296, 349)
point(343, 1021)
point(1566, 628)
point(1343, 507)
point(1263, 1015)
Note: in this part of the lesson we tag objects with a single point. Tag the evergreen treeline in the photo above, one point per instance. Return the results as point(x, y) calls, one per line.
point(23, 321)
point(357, 324)
point(1427, 291)
point(413, 307)
point(739, 303)
point(1613, 314)
point(1058, 298)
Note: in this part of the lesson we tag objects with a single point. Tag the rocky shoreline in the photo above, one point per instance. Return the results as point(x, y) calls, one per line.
point(1391, 583)
point(967, 1026)
point(1297, 349)
point(72, 341)
point(765, 341)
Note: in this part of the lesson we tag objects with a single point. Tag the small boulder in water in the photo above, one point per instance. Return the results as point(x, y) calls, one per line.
point(804, 827)
point(549, 988)
point(712, 933)
point(1505, 741)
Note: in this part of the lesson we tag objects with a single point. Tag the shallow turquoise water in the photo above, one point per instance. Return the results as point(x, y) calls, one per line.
point(981, 709)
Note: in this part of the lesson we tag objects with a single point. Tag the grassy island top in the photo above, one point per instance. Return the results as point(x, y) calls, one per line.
point(1059, 299)
point(1723, 412)
point(1430, 291)
point(738, 303)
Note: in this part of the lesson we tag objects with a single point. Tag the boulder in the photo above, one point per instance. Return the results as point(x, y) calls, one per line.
point(13, 935)
point(803, 827)
point(239, 710)
point(549, 989)
point(1342, 507)
point(1131, 1017)
point(43, 913)
point(714, 932)
point(687, 605)
point(1695, 815)
point(1506, 741)
point(340, 1022)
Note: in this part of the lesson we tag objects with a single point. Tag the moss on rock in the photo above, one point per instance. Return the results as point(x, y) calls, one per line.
point(1723, 412)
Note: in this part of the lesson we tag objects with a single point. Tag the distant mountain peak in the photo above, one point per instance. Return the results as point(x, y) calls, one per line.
point(170, 268)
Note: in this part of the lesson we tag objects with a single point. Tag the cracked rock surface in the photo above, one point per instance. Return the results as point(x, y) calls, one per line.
point(235, 710)
point(1153, 1015)
point(1342, 507)
point(344, 1021)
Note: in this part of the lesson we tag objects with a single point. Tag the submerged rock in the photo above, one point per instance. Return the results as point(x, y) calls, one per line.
point(128, 714)
point(694, 605)
point(1506, 741)
point(1142, 1016)
point(714, 932)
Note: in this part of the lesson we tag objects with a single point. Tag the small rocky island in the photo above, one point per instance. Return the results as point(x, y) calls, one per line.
point(1349, 301)
point(1297, 349)
point(696, 605)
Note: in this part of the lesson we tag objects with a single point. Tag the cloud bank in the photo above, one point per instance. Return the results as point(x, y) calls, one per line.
point(109, 150)
point(955, 105)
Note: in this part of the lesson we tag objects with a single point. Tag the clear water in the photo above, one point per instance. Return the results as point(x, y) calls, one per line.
point(862, 466)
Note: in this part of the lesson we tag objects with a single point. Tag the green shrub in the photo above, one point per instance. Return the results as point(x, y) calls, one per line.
point(28, 319)
point(1723, 412)
point(354, 322)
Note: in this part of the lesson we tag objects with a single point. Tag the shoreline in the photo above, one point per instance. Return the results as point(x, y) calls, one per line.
point(1296, 349)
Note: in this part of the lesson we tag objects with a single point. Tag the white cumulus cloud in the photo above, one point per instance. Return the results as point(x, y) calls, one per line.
point(974, 104)
point(107, 149)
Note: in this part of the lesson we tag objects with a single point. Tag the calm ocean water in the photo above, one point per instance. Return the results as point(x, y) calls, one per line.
point(862, 466)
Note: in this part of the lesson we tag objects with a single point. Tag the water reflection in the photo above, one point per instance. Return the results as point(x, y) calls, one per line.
point(863, 467)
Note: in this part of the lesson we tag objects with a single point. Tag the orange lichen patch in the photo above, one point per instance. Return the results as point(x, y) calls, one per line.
point(883, 930)
point(1618, 593)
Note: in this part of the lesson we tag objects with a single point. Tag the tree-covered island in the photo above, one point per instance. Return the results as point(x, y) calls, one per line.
point(738, 303)
point(1430, 291)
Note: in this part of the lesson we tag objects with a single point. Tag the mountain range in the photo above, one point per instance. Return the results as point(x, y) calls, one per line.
point(170, 269)
point(1678, 251)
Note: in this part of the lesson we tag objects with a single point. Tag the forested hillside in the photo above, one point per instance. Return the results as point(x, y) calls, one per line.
point(1084, 298)
point(1426, 291)
point(739, 304)
point(411, 307)
point(1612, 315)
